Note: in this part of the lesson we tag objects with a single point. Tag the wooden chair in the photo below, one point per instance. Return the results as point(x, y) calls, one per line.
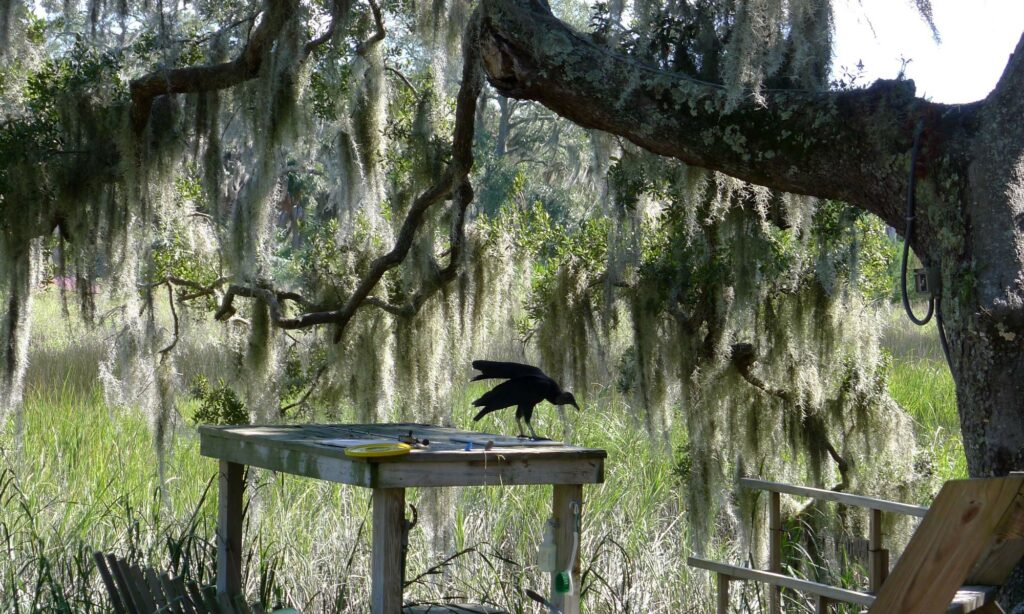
point(140, 590)
point(967, 544)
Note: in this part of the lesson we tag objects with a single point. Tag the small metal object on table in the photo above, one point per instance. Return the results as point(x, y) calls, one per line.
point(452, 458)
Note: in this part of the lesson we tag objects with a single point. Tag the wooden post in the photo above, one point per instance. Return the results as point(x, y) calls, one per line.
point(774, 549)
point(878, 557)
point(723, 593)
point(821, 604)
point(565, 496)
point(229, 529)
point(386, 567)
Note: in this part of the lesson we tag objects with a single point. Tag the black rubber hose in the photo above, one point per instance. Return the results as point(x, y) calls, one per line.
point(935, 298)
point(908, 235)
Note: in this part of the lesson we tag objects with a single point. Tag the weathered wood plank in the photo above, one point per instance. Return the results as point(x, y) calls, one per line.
point(156, 591)
point(198, 599)
point(991, 607)
point(117, 602)
point(229, 529)
point(386, 565)
point(722, 582)
point(961, 525)
point(1006, 549)
point(138, 587)
point(419, 468)
point(805, 586)
point(209, 594)
point(119, 569)
point(567, 498)
point(445, 444)
point(493, 472)
point(996, 564)
point(975, 599)
point(451, 608)
point(821, 604)
point(175, 587)
point(478, 454)
point(448, 470)
point(838, 497)
point(277, 456)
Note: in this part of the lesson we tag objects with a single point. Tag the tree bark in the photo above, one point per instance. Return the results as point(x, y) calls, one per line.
point(212, 77)
point(850, 145)
point(988, 342)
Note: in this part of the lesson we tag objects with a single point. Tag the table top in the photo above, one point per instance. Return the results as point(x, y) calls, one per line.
point(452, 457)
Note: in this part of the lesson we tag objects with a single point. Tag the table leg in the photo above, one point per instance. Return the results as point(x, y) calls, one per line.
point(723, 593)
point(386, 569)
point(229, 529)
point(564, 496)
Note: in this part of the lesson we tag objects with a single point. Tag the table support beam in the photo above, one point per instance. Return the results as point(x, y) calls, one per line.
point(386, 583)
point(723, 593)
point(565, 497)
point(822, 605)
point(229, 529)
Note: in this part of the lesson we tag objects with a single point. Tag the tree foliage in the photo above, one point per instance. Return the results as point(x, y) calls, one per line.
point(335, 184)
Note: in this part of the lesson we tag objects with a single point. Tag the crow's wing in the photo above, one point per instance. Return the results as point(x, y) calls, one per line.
point(528, 390)
point(493, 369)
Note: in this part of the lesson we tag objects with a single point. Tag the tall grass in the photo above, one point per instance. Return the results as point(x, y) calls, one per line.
point(81, 476)
point(921, 383)
point(925, 389)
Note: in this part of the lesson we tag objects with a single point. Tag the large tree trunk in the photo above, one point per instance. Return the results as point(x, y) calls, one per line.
point(988, 366)
point(988, 344)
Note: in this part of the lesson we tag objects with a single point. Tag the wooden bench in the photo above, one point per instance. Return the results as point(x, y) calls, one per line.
point(137, 590)
point(141, 590)
point(964, 549)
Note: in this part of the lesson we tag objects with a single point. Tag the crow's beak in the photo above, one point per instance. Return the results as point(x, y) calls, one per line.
point(575, 405)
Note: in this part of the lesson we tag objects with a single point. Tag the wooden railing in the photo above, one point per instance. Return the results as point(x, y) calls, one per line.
point(878, 555)
point(966, 546)
point(824, 595)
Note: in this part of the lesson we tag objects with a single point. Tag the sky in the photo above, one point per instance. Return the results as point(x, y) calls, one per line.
point(977, 38)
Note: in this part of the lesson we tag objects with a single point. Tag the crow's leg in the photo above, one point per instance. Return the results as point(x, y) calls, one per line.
point(519, 423)
point(532, 432)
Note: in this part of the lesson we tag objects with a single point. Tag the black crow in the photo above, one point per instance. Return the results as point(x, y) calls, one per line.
point(526, 386)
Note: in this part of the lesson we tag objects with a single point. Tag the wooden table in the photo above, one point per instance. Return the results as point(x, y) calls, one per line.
point(318, 451)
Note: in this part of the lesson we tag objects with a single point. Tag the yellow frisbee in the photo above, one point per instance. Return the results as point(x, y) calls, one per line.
point(372, 450)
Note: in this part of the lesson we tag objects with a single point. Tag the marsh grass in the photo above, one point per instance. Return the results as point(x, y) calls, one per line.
point(920, 381)
point(77, 475)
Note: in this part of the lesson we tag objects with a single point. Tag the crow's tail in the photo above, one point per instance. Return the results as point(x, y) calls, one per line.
point(493, 369)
